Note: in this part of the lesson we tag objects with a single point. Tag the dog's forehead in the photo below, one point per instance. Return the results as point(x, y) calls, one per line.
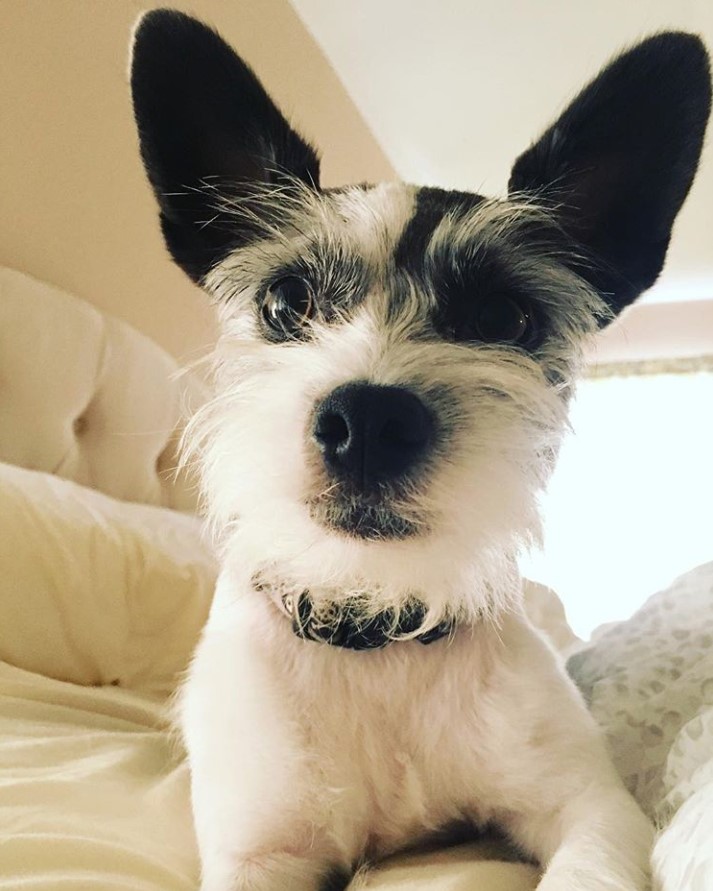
point(373, 217)
point(433, 209)
point(396, 220)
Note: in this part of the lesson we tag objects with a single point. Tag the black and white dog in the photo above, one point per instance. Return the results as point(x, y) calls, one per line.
point(392, 384)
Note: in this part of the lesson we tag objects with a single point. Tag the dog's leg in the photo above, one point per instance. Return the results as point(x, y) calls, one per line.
point(561, 795)
point(256, 807)
point(599, 841)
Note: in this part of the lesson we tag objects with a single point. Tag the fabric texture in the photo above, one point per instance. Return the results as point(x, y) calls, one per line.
point(86, 397)
point(92, 797)
point(649, 682)
point(95, 590)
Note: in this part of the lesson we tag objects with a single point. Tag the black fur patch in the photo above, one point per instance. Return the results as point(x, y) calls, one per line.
point(619, 161)
point(432, 205)
point(337, 879)
point(461, 276)
point(205, 123)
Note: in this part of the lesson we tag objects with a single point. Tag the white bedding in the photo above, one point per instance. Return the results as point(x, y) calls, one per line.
point(95, 590)
point(101, 603)
point(90, 795)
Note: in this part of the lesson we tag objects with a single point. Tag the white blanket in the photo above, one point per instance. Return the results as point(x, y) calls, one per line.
point(90, 795)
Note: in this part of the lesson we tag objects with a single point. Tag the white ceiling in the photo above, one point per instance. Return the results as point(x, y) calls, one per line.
point(455, 89)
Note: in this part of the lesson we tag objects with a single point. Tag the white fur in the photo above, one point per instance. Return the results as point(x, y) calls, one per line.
point(306, 757)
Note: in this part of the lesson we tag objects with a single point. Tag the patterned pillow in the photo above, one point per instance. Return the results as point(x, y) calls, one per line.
point(649, 682)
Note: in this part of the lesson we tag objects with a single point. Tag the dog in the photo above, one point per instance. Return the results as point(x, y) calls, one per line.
point(392, 380)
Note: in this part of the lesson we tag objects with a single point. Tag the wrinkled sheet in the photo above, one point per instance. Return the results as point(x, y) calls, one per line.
point(91, 796)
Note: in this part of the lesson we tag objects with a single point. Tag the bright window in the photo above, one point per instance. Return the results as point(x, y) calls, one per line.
point(631, 503)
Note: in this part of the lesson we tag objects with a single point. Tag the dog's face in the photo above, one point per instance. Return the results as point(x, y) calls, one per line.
point(395, 361)
point(392, 380)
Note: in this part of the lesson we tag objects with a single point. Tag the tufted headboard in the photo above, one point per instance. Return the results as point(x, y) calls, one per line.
point(86, 397)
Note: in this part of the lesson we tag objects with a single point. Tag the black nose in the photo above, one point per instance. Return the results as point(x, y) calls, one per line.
point(369, 434)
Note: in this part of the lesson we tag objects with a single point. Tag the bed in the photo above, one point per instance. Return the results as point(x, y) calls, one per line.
point(106, 579)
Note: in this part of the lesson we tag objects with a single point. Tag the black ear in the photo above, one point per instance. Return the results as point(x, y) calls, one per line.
point(205, 123)
point(618, 163)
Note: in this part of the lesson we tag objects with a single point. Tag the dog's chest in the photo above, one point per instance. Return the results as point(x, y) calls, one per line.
point(391, 733)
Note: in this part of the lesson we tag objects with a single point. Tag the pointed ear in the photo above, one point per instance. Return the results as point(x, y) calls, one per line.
point(618, 163)
point(205, 123)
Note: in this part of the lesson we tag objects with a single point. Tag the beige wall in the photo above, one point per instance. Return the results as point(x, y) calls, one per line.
point(76, 210)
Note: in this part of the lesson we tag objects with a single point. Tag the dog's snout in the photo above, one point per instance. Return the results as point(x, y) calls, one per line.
point(372, 434)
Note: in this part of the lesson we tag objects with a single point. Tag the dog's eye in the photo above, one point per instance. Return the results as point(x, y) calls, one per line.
point(504, 320)
point(288, 306)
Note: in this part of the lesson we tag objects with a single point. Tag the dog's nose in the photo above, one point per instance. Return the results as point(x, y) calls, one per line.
point(372, 434)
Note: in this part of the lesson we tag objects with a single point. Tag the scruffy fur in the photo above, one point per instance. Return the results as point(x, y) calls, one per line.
point(309, 760)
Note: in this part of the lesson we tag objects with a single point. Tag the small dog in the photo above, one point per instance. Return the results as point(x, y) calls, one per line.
point(392, 384)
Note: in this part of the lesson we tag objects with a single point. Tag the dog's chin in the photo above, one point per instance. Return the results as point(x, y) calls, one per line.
point(364, 519)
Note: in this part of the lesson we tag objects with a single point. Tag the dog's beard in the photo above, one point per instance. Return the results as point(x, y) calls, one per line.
point(373, 516)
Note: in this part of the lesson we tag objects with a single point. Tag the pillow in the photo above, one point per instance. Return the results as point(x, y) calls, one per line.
point(86, 397)
point(650, 685)
point(649, 682)
point(95, 590)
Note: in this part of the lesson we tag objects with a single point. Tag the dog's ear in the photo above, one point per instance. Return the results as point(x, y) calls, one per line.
point(206, 124)
point(618, 163)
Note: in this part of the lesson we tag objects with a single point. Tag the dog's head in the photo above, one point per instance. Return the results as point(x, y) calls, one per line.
point(395, 361)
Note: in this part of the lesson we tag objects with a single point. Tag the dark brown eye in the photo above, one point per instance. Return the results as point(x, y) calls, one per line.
point(504, 320)
point(288, 306)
